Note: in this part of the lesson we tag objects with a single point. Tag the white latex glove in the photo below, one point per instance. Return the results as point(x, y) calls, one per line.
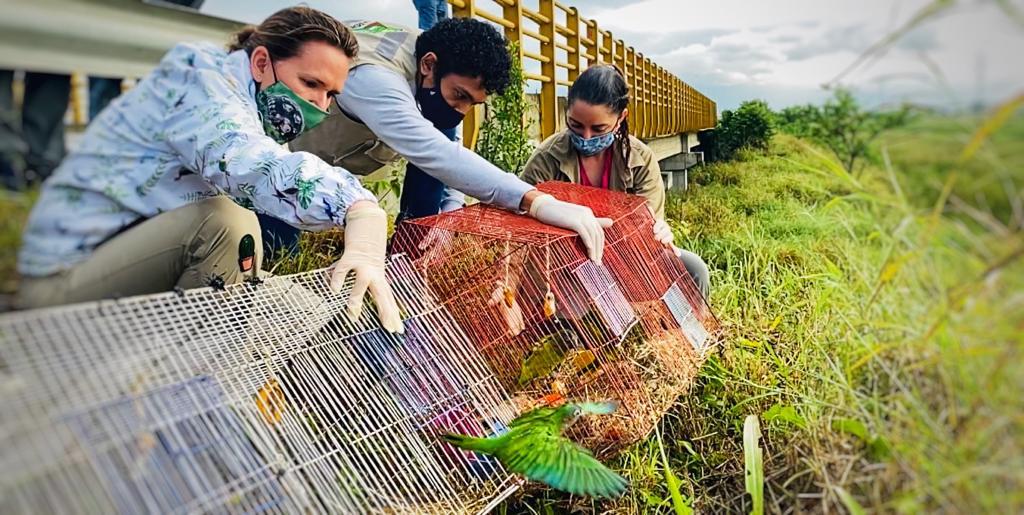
point(512, 315)
point(663, 233)
point(366, 233)
point(573, 217)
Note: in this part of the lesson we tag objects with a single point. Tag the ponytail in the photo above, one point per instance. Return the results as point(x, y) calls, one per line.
point(285, 31)
point(239, 39)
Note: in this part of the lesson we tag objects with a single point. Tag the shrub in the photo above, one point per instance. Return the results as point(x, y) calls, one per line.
point(749, 126)
point(504, 135)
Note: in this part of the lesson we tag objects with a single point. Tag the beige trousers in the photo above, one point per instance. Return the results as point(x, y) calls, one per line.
point(208, 243)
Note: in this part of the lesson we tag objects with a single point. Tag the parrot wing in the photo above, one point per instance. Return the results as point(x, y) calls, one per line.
point(542, 415)
point(556, 461)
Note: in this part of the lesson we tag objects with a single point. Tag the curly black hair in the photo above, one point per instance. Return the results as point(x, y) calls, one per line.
point(468, 47)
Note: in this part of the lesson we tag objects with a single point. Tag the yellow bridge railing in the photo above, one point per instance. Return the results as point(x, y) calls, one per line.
point(662, 104)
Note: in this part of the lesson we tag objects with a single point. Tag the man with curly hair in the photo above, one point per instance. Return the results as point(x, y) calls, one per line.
point(403, 89)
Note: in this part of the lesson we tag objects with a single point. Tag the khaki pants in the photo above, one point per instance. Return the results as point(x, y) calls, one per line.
point(209, 243)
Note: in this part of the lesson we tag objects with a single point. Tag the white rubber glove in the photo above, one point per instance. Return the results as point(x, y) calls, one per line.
point(663, 233)
point(573, 217)
point(366, 234)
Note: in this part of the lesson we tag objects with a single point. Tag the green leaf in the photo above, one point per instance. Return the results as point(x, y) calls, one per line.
point(753, 464)
point(784, 414)
point(689, 448)
point(851, 504)
point(852, 427)
point(653, 500)
point(878, 449)
point(679, 504)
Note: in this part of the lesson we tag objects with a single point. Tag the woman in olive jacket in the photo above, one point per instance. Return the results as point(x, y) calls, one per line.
point(597, 150)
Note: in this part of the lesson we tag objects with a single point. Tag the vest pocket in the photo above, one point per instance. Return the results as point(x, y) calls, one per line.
point(382, 153)
point(342, 141)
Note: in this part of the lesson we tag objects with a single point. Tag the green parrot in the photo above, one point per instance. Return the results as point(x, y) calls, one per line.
point(547, 353)
point(534, 447)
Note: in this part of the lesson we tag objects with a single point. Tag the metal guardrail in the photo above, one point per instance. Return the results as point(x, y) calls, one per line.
point(662, 104)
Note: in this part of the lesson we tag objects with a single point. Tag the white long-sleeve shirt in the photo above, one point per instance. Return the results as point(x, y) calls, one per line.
point(188, 131)
point(385, 102)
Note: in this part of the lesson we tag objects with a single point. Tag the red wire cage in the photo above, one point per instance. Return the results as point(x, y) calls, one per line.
point(553, 325)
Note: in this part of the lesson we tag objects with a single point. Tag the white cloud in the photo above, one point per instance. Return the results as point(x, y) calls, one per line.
point(785, 50)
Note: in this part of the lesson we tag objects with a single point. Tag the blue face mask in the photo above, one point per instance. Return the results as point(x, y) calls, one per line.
point(591, 146)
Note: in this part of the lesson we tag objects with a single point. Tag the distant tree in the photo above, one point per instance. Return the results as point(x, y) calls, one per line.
point(847, 130)
point(841, 125)
point(797, 120)
point(749, 126)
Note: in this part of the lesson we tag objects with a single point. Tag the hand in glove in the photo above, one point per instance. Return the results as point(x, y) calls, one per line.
point(573, 217)
point(663, 233)
point(366, 232)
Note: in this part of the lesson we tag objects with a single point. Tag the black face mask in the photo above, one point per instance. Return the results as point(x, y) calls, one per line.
point(435, 108)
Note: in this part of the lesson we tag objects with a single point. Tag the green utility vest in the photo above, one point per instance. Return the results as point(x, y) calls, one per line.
point(341, 140)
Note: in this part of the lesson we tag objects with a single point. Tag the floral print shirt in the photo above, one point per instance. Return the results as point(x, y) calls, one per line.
point(188, 131)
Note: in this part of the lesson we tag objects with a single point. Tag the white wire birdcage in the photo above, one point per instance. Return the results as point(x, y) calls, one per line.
point(259, 398)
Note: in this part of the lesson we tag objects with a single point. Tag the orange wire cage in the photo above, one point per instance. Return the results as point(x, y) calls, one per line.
point(554, 325)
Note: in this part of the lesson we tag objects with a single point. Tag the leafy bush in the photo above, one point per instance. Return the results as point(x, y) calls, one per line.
point(504, 134)
point(749, 126)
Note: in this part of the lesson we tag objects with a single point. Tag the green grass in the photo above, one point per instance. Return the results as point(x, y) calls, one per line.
point(14, 209)
point(878, 339)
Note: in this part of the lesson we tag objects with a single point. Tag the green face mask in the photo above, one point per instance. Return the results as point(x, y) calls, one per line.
point(286, 115)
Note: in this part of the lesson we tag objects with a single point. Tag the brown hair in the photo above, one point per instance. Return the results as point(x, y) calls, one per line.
point(285, 31)
point(605, 85)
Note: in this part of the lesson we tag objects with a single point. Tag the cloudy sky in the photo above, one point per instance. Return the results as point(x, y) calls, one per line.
point(784, 50)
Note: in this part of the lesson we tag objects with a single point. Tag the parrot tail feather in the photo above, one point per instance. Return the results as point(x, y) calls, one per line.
point(469, 443)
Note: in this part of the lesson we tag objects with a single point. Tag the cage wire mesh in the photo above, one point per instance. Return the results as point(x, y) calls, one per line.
point(553, 325)
point(259, 398)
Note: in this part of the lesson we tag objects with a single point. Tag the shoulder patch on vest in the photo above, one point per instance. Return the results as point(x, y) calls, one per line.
point(374, 27)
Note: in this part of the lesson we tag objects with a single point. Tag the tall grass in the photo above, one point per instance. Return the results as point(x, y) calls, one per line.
point(875, 326)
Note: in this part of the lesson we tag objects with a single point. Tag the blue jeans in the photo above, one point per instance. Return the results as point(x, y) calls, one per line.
point(431, 12)
point(32, 139)
point(278, 235)
point(102, 91)
point(421, 193)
